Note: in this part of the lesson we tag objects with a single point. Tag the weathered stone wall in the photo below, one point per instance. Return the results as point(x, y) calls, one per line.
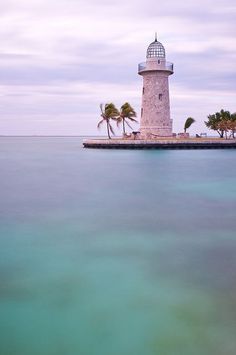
point(155, 113)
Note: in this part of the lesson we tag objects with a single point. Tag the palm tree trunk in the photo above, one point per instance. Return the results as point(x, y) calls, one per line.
point(221, 133)
point(108, 130)
point(123, 121)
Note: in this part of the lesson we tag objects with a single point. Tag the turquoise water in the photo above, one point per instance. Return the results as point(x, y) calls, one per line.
point(116, 252)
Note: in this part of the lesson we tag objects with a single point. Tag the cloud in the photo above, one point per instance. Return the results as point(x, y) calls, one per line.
point(62, 58)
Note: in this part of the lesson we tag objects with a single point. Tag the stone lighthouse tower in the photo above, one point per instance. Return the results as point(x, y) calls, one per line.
point(155, 112)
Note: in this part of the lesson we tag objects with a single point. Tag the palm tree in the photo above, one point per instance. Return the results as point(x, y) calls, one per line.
point(108, 113)
point(233, 124)
point(222, 122)
point(216, 121)
point(188, 123)
point(225, 121)
point(126, 113)
point(225, 126)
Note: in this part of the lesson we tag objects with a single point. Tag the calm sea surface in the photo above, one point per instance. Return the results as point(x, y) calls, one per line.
point(116, 252)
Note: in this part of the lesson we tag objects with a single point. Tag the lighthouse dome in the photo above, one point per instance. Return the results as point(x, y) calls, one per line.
point(156, 49)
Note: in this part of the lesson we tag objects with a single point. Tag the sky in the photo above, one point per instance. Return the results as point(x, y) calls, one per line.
point(59, 59)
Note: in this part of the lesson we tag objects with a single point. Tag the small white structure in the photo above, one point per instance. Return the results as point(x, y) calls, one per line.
point(155, 113)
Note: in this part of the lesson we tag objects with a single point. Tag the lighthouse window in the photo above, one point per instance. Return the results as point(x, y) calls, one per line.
point(159, 61)
point(160, 97)
point(143, 90)
point(142, 112)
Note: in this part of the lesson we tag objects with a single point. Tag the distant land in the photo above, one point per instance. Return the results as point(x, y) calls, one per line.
point(80, 135)
point(36, 135)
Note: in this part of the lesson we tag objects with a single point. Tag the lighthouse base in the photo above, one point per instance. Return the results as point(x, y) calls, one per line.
point(149, 133)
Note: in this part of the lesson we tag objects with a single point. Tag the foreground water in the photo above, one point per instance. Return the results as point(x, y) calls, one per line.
point(116, 252)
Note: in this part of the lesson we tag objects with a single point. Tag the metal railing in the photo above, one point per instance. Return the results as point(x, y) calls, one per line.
point(163, 66)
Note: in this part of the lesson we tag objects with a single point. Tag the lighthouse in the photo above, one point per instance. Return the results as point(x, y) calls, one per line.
point(155, 111)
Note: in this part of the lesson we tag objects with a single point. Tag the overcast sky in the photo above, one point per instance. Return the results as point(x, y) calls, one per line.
point(59, 59)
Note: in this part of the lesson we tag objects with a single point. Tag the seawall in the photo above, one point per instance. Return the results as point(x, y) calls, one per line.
point(191, 143)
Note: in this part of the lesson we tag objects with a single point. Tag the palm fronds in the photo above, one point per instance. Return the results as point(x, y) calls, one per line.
point(108, 112)
point(188, 123)
point(127, 113)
